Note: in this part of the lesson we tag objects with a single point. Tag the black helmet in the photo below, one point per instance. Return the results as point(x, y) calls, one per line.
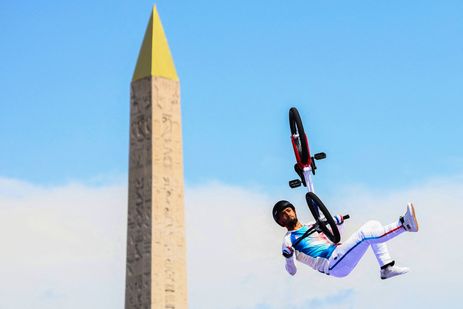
point(279, 207)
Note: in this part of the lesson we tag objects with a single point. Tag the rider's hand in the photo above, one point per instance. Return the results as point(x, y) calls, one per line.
point(288, 252)
point(339, 219)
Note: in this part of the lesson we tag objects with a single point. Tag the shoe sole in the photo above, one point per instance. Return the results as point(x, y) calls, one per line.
point(410, 206)
point(395, 275)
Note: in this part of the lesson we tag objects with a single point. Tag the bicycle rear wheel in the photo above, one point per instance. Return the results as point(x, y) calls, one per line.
point(298, 137)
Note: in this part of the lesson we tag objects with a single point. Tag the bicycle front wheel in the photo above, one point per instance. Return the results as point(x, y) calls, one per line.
point(323, 217)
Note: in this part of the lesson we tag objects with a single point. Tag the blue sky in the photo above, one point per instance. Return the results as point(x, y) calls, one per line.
point(379, 87)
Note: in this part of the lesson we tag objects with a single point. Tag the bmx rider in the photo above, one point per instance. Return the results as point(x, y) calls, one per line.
point(338, 260)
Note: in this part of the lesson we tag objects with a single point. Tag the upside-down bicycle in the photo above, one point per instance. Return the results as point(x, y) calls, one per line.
point(305, 167)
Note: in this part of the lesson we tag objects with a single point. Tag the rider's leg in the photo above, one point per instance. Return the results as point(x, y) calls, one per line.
point(347, 255)
point(381, 253)
point(378, 243)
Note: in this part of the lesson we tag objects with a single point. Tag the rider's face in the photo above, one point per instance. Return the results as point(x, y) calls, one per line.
point(287, 216)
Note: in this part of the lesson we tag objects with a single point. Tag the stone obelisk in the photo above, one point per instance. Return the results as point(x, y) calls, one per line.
point(156, 251)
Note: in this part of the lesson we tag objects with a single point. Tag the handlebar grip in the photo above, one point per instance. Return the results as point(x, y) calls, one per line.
point(324, 221)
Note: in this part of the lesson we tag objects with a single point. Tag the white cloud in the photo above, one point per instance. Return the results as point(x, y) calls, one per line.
point(64, 247)
point(235, 260)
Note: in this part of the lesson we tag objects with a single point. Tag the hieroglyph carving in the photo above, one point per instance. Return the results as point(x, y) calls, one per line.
point(168, 195)
point(138, 281)
point(156, 251)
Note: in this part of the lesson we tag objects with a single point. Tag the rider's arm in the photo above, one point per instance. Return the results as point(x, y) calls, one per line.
point(291, 266)
point(289, 255)
point(339, 219)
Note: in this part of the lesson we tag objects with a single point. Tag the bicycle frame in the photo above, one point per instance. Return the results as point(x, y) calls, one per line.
point(307, 172)
point(307, 167)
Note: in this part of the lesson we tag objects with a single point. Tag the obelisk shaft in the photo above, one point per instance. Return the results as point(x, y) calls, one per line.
point(140, 225)
point(156, 251)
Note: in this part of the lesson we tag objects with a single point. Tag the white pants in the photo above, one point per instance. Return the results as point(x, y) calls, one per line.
point(347, 255)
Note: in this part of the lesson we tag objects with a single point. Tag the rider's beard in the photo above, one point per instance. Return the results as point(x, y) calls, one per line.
point(291, 224)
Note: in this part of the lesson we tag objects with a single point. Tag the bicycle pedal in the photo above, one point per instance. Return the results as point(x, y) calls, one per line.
point(295, 183)
point(320, 156)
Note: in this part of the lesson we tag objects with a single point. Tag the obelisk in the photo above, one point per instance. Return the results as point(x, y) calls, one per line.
point(156, 251)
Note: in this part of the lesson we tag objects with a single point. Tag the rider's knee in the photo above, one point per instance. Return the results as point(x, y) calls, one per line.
point(370, 226)
point(374, 223)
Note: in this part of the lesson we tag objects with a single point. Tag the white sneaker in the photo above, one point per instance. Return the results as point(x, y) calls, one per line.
point(409, 221)
point(392, 271)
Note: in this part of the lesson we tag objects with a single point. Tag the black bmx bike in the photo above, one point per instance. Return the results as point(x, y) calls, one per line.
point(305, 167)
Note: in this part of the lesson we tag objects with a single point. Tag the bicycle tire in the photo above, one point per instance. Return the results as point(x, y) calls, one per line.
point(316, 206)
point(295, 124)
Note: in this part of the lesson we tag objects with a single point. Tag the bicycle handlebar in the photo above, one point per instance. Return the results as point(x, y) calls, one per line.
point(314, 229)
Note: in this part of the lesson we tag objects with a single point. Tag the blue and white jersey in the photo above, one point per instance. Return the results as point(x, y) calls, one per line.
point(314, 250)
